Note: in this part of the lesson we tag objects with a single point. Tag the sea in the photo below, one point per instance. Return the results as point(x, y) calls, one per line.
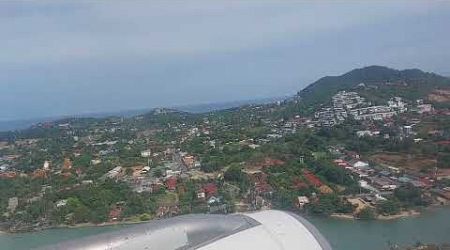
point(432, 226)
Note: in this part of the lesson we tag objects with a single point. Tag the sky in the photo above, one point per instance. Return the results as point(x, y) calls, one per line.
point(76, 57)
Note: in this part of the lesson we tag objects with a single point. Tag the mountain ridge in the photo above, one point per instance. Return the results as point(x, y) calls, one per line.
point(321, 90)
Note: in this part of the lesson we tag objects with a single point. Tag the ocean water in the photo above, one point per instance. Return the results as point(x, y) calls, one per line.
point(433, 226)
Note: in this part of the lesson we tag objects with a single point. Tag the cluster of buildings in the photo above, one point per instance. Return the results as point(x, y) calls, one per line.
point(379, 181)
point(351, 104)
point(160, 165)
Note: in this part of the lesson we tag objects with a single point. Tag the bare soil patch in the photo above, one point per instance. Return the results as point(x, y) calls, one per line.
point(439, 95)
point(405, 161)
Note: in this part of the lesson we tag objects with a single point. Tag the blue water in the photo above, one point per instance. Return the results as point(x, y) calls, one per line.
point(431, 227)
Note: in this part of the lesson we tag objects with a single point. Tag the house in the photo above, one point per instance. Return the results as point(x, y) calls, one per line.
point(67, 164)
point(394, 169)
point(96, 161)
point(210, 189)
point(352, 154)
point(167, 211)
point(302, 201)
point(442, 174)
point(13, 203)
point(259, 179)
point(362, 133)
point(312, 179)
point(231, 189)
point(201, 194)
point(39, 173)
point(342, 164)
point(61, 203)
point(443, 193)
point(214, 200)
point(145, 169)
point(188, 161)
point(362, 183)
point(407, 130)
point(267, 162)
point(4, 167)
point(8, 175)
point(361, 173)
point(115, 213)
point(171, 183)
point(417, 183)
point(87, 182)
point(360, 165)
point(46, 166)
point(424, 108)
point(383, 183)
point(215, 205)
point(298, 184)
point(113, 173)
point(378, 197)
point(146, 153)
point(324, 189)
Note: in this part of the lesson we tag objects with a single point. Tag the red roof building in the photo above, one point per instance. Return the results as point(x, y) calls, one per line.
point(312, 179)
point(171, 183)
point(443, 142)
point(299, 184)
point(115, 213)
point(260, 181)
point(267, 162)
point(8, 175)
point(210, 189)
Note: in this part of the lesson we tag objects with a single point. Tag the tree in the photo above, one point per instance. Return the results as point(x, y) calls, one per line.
point(145, 217)
point(158, 173)
point(233, 173)
point(330, 203)
point(409, 195)
point(388, 207)
point(128, 171)
point(443, 160)
point(366, 213)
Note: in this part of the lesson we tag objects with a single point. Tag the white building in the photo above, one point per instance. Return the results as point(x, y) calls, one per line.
point(362, 133)
point(360, 164)
point(61, 203)
point(12, 204)
point(46, 166)
point(146, 153)
point(362, 183)
point(424, 108)
point(113, 173)
point(302, 201)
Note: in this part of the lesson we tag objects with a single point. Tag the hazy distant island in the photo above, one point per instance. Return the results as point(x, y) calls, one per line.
point(18, 124)
point(371, 143)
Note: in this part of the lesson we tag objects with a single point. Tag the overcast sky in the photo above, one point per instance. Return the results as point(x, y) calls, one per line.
point(72, 57)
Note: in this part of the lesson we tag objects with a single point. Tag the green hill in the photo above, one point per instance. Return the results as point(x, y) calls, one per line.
point(380, 83)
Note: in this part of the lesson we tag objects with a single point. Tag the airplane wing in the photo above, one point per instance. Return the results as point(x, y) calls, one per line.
point(265, 230)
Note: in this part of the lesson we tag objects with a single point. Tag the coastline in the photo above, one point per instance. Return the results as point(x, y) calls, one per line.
point(75, 226)
point(342, 216)
point(104, 224)
point(403, 214)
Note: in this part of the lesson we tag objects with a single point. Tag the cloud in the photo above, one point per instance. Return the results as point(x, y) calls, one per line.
point(44, 33)
point(84, 56)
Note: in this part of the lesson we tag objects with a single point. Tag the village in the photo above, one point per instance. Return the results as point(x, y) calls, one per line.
point(226, 162)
